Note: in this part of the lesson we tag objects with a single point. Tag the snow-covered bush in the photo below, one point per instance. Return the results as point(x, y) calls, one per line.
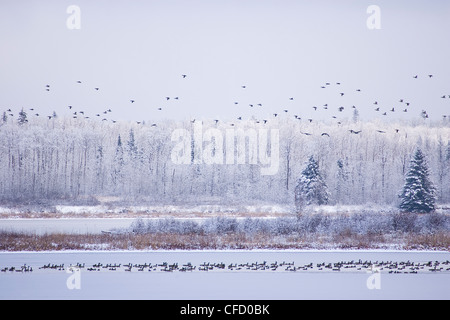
point(320, 224)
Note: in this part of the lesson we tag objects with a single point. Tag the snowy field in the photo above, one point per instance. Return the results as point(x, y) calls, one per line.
point(228, 282)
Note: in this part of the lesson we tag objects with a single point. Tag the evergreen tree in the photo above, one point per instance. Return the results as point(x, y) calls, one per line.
point(117, 175)
point(4, 117)
point(419, 193)
point(311, 189)
point(355, 115)
point(131, 146)
point(341, 182)
point(22, 117)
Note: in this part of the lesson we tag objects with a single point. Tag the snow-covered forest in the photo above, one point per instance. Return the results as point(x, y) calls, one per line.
point(66, 159)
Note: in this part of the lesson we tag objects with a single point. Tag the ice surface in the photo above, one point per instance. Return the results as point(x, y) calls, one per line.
point(51, 284)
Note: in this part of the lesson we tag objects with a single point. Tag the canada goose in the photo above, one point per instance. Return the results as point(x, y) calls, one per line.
point(184, 76)
point(325, 134)
point(355, 132)
point(132, 101)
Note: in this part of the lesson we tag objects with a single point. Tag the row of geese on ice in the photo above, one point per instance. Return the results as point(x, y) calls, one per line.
point(354, 266)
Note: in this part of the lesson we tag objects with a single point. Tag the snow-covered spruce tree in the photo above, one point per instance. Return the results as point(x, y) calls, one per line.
point(341, 177)
point(311, 189)
point(4, 117)
point(22, 117)
point(418, 194)
point(117, 175)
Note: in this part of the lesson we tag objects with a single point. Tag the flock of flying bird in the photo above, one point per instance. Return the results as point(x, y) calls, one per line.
point(103, 115)
point(395, 267)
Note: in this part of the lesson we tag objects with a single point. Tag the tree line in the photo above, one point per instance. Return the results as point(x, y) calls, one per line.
point(360, 162)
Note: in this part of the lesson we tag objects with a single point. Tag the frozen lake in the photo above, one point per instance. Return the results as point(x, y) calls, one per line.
point(69, 225)
point(223, 283)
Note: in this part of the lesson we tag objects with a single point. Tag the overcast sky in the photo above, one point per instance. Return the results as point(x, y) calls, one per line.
point(278, 49)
